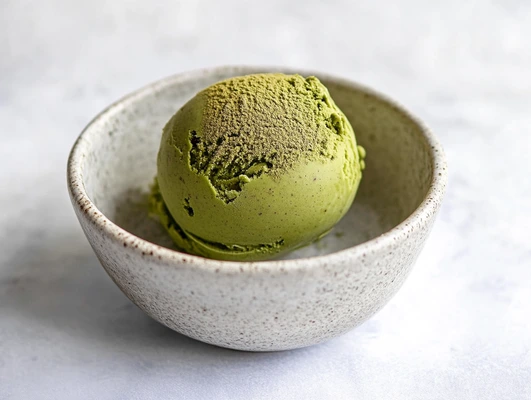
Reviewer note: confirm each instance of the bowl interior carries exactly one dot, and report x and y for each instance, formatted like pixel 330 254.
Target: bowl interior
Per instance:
pixel 119 161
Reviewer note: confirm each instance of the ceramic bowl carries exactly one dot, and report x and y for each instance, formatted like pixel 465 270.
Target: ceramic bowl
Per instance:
pixel 313 294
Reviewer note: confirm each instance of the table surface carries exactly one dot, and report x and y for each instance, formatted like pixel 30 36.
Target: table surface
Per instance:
pixel 458 329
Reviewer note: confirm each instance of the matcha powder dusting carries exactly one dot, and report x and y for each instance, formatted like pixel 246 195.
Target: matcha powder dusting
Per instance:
pixel 240 163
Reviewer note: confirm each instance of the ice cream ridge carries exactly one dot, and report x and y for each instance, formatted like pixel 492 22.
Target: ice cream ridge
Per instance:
pixel 255 166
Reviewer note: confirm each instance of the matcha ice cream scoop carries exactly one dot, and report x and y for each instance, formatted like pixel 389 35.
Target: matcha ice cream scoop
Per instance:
pixel 255 166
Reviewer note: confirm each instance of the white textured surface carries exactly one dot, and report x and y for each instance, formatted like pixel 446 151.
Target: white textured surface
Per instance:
pixel 460 326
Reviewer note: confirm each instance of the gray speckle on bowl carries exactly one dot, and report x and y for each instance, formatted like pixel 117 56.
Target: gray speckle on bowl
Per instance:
pixel 315 293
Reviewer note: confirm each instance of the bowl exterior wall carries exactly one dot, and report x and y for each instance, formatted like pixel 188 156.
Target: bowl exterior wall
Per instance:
pixel 257 308
pixel 275 305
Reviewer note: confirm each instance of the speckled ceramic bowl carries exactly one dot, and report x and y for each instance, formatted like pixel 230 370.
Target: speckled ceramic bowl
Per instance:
pixel 315 293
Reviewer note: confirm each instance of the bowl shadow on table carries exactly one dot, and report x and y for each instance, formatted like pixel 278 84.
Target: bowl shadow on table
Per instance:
pixel 61 291
pixel 60 287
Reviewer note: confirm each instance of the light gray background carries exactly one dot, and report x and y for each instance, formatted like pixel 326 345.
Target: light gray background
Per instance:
pixel 459 328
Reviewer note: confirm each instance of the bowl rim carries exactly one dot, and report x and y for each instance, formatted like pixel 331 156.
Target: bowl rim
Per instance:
pixel 80 199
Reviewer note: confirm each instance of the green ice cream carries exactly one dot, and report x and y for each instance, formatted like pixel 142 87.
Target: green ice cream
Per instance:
pixel 255 166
